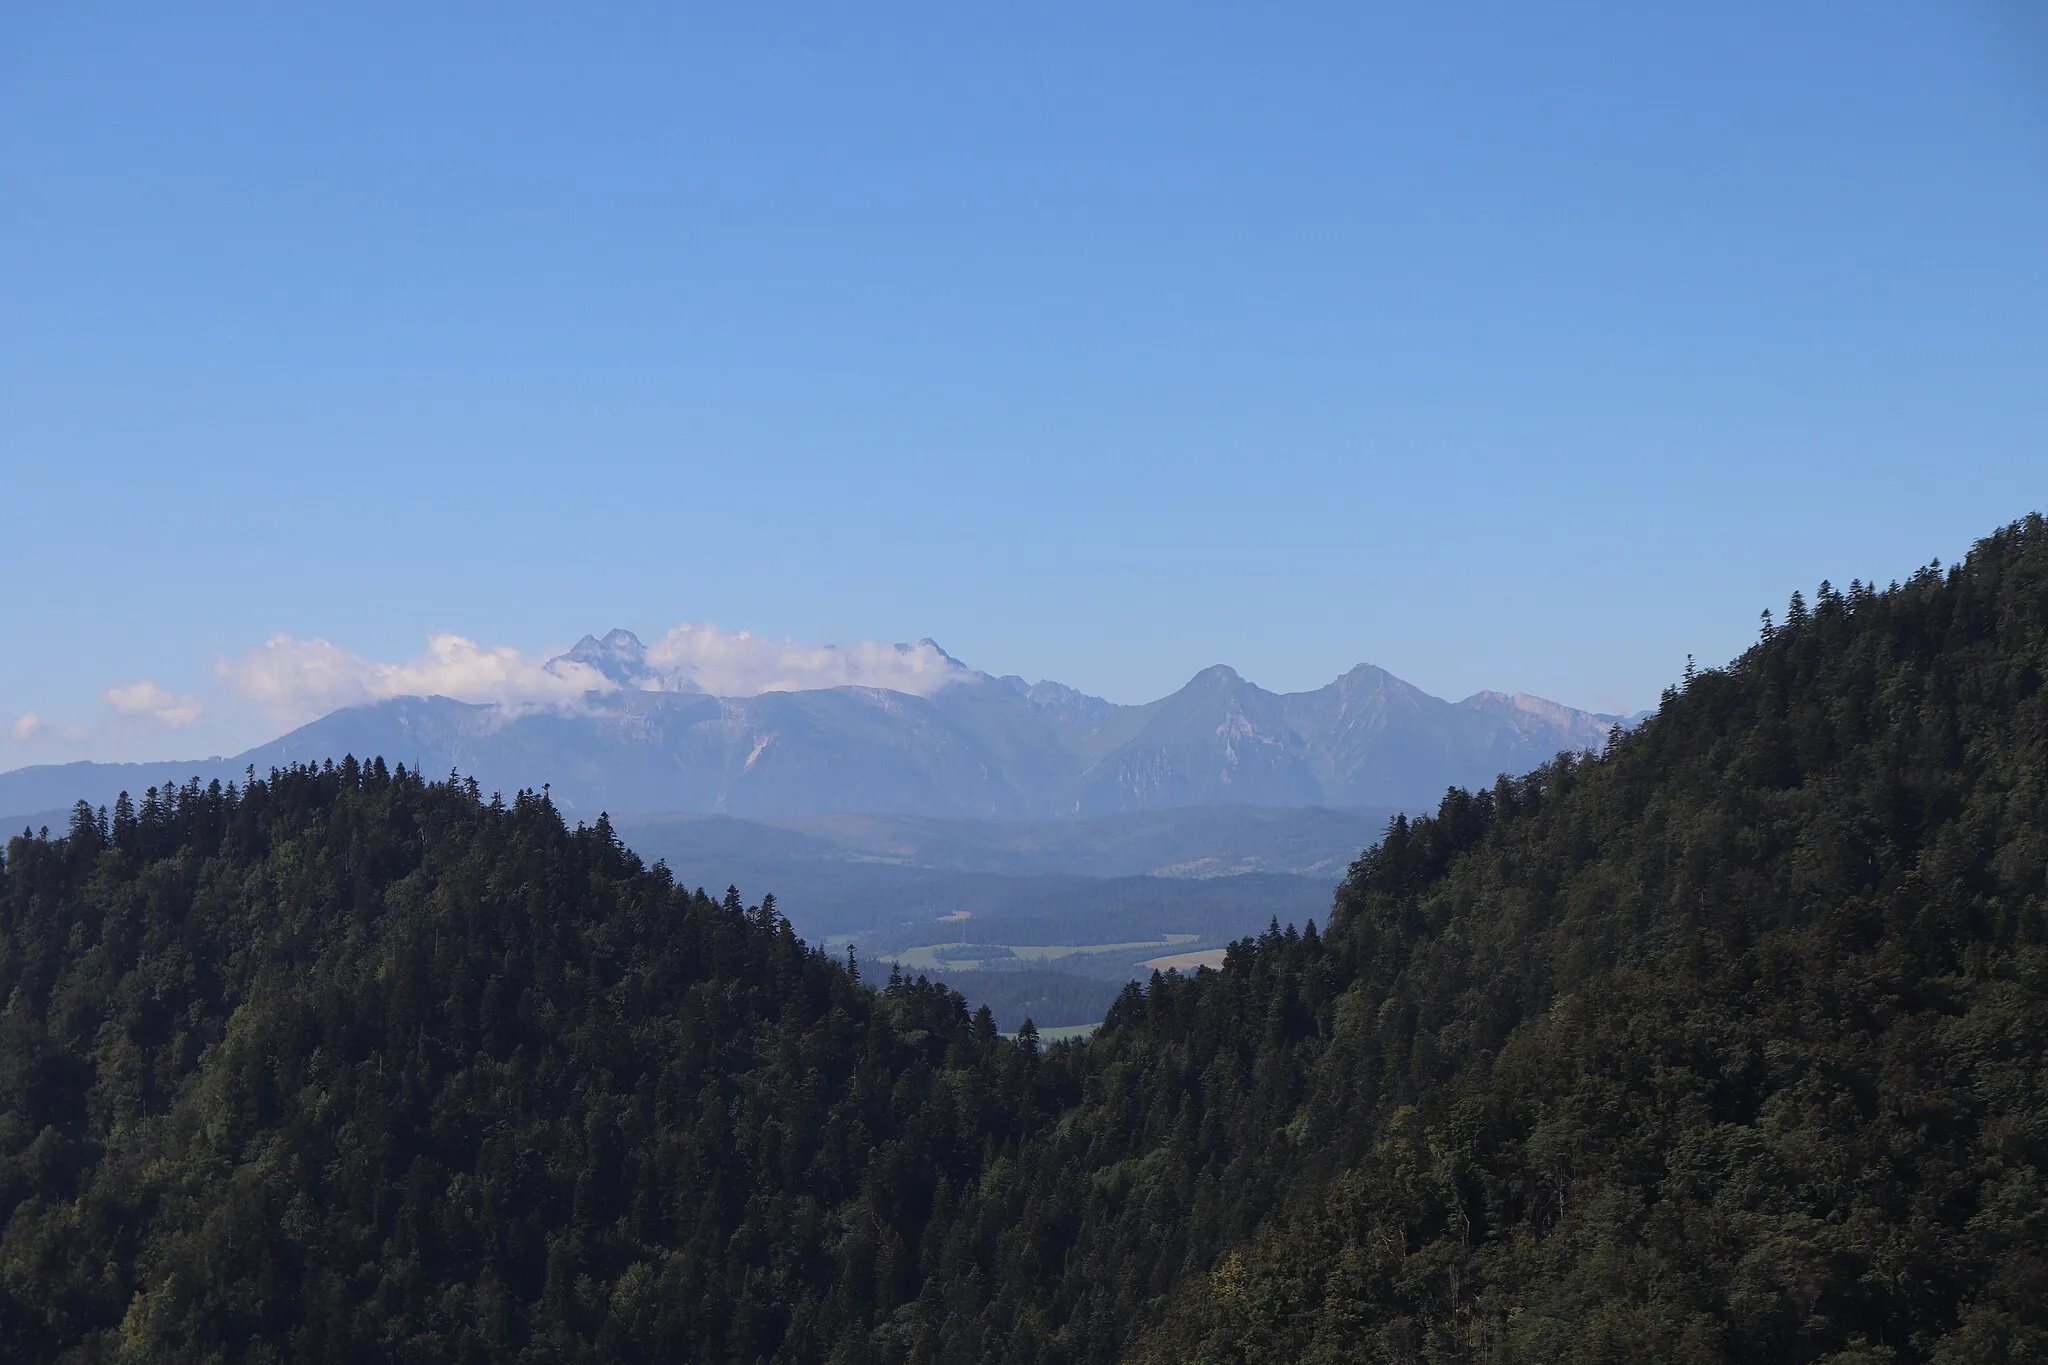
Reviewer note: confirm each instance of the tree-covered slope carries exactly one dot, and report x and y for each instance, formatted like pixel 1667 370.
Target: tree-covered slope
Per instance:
pixel 1724 1045
pixel 348 1066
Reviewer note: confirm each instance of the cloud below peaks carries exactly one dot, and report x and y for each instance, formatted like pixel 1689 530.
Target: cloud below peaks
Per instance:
pixel 294 680
pixel 703 658
pixel 298 680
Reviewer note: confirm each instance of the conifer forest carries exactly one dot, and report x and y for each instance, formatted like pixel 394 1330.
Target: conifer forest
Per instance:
pixel 1725 1044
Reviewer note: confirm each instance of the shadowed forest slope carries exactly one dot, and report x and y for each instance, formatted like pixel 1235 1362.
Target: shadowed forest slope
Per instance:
pixel 1723 1045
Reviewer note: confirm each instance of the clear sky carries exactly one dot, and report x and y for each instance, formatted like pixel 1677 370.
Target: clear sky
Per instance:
pixel 1519 346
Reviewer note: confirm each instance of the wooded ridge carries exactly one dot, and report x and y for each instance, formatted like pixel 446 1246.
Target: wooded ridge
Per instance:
pixel 1725 1044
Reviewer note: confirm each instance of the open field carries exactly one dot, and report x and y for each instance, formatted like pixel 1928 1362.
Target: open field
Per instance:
pixel 1187 962
pixel 941 957
pixel 1050 952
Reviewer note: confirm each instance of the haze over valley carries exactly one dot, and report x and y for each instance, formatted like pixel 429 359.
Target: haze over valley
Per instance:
pixel 1484 800
pixel 1034 812
pixel 950 806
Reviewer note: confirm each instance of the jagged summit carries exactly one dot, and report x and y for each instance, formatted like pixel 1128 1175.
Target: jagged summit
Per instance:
pixel 702 721
pixel 1362 672
pixel 619 656
pixel 702 659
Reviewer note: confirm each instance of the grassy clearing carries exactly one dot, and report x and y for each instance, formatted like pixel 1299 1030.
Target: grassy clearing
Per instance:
pixel 1187 962
pixel 960 957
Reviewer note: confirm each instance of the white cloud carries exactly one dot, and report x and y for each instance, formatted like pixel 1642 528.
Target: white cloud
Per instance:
pixel 28 726
pixel 295 680
pixel 145 698
pixel 742 664
pixel 298 680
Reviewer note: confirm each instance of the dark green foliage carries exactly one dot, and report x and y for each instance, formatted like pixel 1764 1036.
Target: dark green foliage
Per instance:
pixel 345 1065
pixel 1727 1045
pixel 1048 998
pixel 1724 1045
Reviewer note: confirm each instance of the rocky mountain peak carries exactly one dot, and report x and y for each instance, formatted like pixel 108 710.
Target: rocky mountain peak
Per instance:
pixel 619 656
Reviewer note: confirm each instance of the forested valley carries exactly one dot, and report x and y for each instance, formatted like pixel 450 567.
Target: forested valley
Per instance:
pixel 1725 1044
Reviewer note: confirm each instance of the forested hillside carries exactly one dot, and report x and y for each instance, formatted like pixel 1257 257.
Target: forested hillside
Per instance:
pixel 348 1065
pixel 1724 1045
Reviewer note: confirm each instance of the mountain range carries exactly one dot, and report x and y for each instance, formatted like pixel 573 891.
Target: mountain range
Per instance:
pixel 973 746
pixel 1724 1045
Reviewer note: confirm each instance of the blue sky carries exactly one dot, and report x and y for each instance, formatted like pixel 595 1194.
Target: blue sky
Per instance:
pixel 1527 347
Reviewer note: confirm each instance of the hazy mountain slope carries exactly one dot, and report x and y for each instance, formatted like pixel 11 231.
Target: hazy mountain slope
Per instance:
pixel 1186 841
pixel 976 747
pixel 1373 733
pixel 26 794
pixel 1367 739
pixel 1077 713
pixel 1219 740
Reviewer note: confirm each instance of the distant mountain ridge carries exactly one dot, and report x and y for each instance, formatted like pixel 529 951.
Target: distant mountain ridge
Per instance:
pixel 972 747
